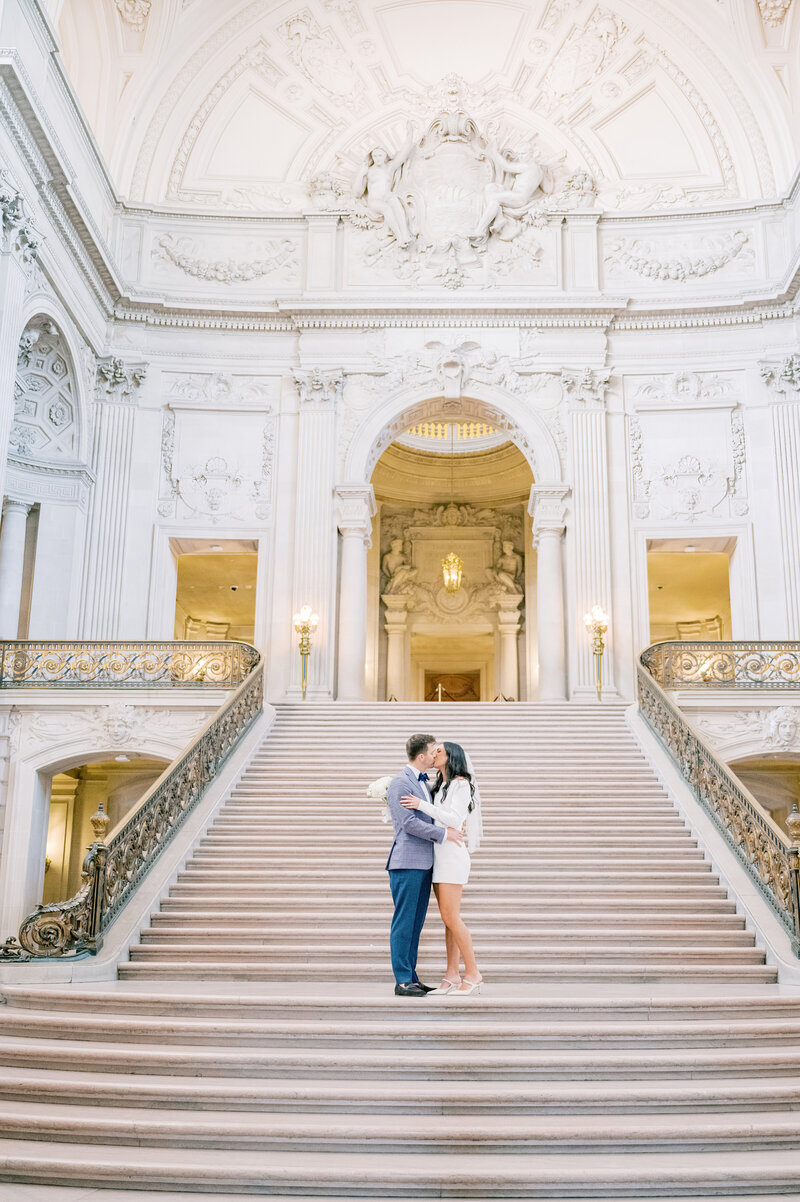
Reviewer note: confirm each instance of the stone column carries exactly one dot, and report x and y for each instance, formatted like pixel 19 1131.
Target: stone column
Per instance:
pixel 112 448
pixel 315 528
pixel 591 531
pixel 18 252
pixel 12 562
pixel 355 509
pixel 783 380
pixel 548 509
pixel 508 624
pixel 396 627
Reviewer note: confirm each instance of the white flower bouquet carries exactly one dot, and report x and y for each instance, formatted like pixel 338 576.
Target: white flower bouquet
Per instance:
pixel 378 791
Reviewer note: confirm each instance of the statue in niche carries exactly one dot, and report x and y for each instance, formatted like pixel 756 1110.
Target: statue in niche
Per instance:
pixel 375 184
pixel 507 569
pixel 401 577
pixel 504 205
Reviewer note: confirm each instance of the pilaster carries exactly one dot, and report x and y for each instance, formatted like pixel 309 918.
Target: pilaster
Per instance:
pixel 116 385
pixel 18 251
pixel 315 532
pixel 590 543
pixel 783 382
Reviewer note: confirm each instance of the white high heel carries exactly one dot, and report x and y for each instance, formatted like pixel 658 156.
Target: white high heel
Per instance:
pixel 467 987
pixel 451 985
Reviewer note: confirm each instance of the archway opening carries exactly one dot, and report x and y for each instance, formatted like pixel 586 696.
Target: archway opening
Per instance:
pixel 457 491
pixel 774 780
pixel 75 795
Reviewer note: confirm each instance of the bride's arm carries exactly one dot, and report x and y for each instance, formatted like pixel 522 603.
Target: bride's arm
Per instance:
pixel 454 813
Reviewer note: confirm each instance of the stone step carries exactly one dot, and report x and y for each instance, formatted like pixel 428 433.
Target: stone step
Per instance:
pixel 426 1175
pixel 303 1095
pixel 510 925
pixel 574 1064
pixel 381 1133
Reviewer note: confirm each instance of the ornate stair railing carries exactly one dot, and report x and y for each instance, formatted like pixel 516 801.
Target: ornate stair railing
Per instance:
pixel 113 869
pixel 771 857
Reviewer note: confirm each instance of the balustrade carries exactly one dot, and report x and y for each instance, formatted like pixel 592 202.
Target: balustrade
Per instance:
pixel 771 858
pixel 113 869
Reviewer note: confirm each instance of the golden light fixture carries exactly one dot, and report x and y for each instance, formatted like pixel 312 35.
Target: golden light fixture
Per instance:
pixel 452 566
pixel 305 623
pixel 596 622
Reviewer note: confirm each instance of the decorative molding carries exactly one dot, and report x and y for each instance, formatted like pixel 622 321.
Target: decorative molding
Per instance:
pixel 702 256
pixel 783 378
pixel 773 12
pixel 118 380
pixel 273 255
pixel 45 425
pixel 18 235
pixel 772 729
pixel 319 388
pixel 134 13
pixel 586 388
pixel 547 506
pixel 355 507
pixel 684 389
pixel 223 390
pixel 118 724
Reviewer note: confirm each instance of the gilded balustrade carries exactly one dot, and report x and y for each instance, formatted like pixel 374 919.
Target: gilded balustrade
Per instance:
pixel 113 868
pixel 771 857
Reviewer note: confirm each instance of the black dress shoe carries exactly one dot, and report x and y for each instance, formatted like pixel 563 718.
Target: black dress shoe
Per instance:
pixel 411 989
pixel 427 988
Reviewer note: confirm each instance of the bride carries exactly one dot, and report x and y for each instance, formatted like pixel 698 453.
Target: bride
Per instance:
pixel 456 802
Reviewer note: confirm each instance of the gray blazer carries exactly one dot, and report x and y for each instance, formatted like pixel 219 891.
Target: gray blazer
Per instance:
pixel 414 832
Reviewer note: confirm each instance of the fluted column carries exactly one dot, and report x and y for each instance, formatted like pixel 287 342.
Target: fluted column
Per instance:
pixel 783 380
pixel 18 251
pixel 112 449
pixel 355 509
pixel 12 564
pixel 591 541
pixel 315 528
pixel 508 626
pixel 547 507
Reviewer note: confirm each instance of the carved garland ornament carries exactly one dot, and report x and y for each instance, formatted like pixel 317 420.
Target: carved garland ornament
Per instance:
pixel 710 255
pixel 275 255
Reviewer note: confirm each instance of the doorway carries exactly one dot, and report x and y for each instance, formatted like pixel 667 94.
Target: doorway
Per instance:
pixel 216 585
pixel 689 590
pixel 453 686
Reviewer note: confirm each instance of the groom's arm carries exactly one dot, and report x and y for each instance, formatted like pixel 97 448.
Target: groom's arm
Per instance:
pixel 407 820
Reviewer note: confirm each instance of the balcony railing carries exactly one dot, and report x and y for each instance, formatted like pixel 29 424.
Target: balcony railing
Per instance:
pixel 113 868
pixel 771 857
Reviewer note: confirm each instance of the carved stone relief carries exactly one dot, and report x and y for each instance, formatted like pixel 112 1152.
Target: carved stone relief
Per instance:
pixel 221 389
pixel 774 11
pixel 321 58
pixel 270 256
pixel 17 231
pixel 784 377
pixel 118 724
pixel 134 12
pixel 774 729
pixel 698 257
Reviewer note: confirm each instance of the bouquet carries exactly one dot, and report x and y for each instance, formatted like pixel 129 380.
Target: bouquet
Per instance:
pixel 378 791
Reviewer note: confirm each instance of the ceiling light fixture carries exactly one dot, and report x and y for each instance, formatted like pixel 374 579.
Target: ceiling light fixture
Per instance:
pixel 452 566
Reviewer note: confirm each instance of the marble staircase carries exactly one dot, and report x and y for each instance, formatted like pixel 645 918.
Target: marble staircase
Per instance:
pixel 630 1041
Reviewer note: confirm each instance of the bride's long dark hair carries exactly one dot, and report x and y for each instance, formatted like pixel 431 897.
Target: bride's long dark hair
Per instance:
pixel 455 765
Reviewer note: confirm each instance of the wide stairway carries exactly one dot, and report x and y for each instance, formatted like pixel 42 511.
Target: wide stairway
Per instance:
pixel 630 1040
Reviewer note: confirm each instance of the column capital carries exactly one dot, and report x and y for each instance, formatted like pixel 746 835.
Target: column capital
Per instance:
pixel 16 506
pixel 355 508
pixel 585 388
pixel 318 388
pixel 118 379
pixel 547 505
pixel 782 378
pixel 17 233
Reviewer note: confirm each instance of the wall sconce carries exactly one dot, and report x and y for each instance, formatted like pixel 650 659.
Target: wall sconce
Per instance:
pixel 305 623
pixel 596 622
pixel 452 567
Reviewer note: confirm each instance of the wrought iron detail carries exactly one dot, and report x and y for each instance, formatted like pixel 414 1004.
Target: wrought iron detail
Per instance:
pixel 771 858
pixel 113 870
pixel 134 665
pixel 724 665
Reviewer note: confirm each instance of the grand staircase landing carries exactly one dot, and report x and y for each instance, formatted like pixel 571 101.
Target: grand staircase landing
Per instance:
pixel 631 1041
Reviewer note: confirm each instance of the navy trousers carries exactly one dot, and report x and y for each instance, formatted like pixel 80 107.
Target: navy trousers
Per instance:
pixel 411 891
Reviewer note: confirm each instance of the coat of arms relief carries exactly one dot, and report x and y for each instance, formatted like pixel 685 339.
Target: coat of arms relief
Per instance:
pixel 454 199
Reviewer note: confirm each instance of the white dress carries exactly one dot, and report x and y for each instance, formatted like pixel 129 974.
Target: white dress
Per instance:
pixel 451 860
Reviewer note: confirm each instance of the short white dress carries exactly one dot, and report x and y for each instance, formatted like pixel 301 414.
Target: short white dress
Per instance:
pixel 451 862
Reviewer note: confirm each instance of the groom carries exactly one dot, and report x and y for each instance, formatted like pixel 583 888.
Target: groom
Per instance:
pixel 410 863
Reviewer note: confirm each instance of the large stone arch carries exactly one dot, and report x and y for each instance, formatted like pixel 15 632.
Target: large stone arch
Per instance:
pixel 405 406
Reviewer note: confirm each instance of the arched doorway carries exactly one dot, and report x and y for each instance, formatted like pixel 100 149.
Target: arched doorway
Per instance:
pixel 451 573
pixel 365 670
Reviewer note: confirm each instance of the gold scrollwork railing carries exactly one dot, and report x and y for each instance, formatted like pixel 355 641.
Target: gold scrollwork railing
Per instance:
pixel 724 665
pixel 771 858
pixel 134 665
pixel 112 870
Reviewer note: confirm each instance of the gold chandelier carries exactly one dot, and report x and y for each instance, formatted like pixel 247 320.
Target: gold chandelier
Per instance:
pixel 452 566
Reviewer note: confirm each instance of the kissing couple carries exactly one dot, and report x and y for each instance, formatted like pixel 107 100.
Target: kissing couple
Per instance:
pixel 433 803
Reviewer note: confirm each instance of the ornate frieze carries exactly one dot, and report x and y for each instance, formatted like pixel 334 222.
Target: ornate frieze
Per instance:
pixel 272 256
pixel 222 389
pixel 769 729
pixel 700 256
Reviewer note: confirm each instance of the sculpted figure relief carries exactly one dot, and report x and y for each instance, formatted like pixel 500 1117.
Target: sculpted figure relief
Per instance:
pixel 376 182
pixel 399 572
pixel 507 569
pixel 504 204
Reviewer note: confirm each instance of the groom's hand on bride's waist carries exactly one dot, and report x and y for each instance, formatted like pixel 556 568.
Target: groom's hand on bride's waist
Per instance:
pixel 454 835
